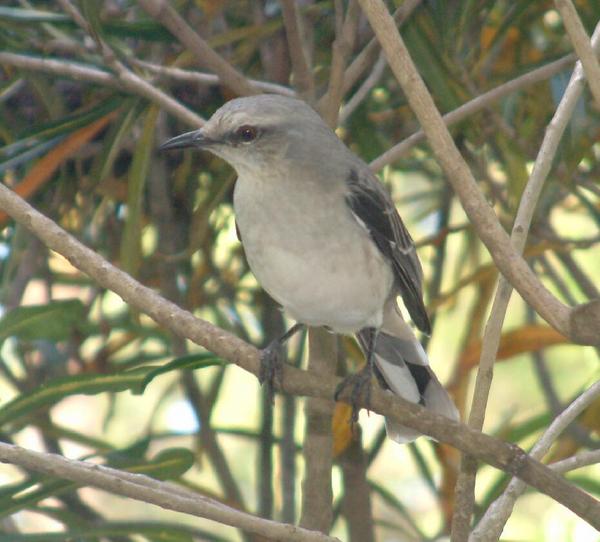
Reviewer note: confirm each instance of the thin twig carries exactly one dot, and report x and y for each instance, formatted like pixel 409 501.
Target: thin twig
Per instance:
pixel 579 323
pixel 493 451
pixel 581 44
pixel 146 489
pixel 365 59
pixel 363 91
pixel 199 78
pixel 303 77
pixel 475 105
pixel 490 526
pixel 129 82
pixel 202 51
pixel 465 486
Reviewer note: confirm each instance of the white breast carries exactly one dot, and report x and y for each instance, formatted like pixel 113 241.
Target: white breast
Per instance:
pixel 310 254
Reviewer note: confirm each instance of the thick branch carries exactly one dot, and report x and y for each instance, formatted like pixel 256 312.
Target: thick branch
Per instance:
pixel 205 55
pixel 481 214
pixel 497 453
pixel 146 489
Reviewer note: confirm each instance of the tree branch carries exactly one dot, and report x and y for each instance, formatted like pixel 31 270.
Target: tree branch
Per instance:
pixel 579 324
pixel 146 489
pixel 495 452
pixel 581 44
pixel 465 486
pixel 204 53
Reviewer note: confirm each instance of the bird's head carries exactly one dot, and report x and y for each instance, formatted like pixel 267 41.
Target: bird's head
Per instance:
pixel 256 131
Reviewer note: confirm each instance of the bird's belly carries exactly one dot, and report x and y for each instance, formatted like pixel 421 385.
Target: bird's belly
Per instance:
pixel 340 281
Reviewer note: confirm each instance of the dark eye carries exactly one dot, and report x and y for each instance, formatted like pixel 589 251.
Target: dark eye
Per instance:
pixel 246 133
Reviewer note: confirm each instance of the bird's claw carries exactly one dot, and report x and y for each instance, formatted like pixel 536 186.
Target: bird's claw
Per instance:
pixel 271 367
pixel 361 386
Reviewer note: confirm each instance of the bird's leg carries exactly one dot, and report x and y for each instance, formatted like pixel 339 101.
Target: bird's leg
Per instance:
pixel 361 381
pixel 271 360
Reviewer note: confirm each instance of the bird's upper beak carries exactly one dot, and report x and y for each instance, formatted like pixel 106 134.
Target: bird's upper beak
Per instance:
pixel 197 139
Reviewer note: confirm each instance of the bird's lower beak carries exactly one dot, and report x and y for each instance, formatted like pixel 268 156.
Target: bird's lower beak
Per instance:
pixel 197 139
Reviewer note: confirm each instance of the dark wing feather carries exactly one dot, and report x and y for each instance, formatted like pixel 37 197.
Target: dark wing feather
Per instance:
pixel 373 207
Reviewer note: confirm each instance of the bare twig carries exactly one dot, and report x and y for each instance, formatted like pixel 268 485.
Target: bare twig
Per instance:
pixel 203 52
pixel 146 489
pixel 490 526
pixel 200 78
pixel 579 324
pixel 363 91
pixel 466 482
pixel 345 34
pixel 126 81
pixel 303 77
pixel 495 452
pixel 582 459
pixel 318 441
pixel 581 44
pixel 365 59
pixel 475 105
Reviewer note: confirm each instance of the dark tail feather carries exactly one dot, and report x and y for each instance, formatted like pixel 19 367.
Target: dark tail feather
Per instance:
pixel 404 368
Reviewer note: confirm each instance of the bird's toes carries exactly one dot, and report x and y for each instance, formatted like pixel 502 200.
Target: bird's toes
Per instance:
pixel 360 384
pixel 271 367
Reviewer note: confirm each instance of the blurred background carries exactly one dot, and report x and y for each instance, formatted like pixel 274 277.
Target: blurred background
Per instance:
pixel 84 375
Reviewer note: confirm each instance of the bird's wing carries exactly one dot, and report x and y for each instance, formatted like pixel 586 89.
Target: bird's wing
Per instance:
pixel 372 206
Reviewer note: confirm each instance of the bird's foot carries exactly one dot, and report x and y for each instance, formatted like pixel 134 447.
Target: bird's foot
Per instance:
pixel 271 367
pixel 361 386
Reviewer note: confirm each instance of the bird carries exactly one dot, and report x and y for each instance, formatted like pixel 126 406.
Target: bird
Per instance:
pixel 324 239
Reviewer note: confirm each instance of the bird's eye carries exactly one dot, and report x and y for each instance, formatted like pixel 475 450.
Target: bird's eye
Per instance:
pixel 246 133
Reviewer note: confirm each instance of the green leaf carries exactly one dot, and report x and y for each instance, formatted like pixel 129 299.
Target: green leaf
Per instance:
pixel 167 465
pixel 55 321
pixel 131 251
pixel 158 531
pixel 189 362
pixel 32 16
pixel 56 390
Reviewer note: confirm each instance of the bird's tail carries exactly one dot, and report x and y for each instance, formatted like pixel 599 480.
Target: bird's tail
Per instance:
pixel 404 367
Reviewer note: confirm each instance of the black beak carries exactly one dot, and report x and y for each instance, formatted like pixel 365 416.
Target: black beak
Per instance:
pixel 197 139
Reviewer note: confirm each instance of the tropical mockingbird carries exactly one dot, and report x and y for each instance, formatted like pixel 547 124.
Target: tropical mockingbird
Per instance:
pixel 324 239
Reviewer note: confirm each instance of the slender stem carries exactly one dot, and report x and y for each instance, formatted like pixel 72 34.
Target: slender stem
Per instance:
pixel 490 526
pixel 581 44
pixel 465 486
